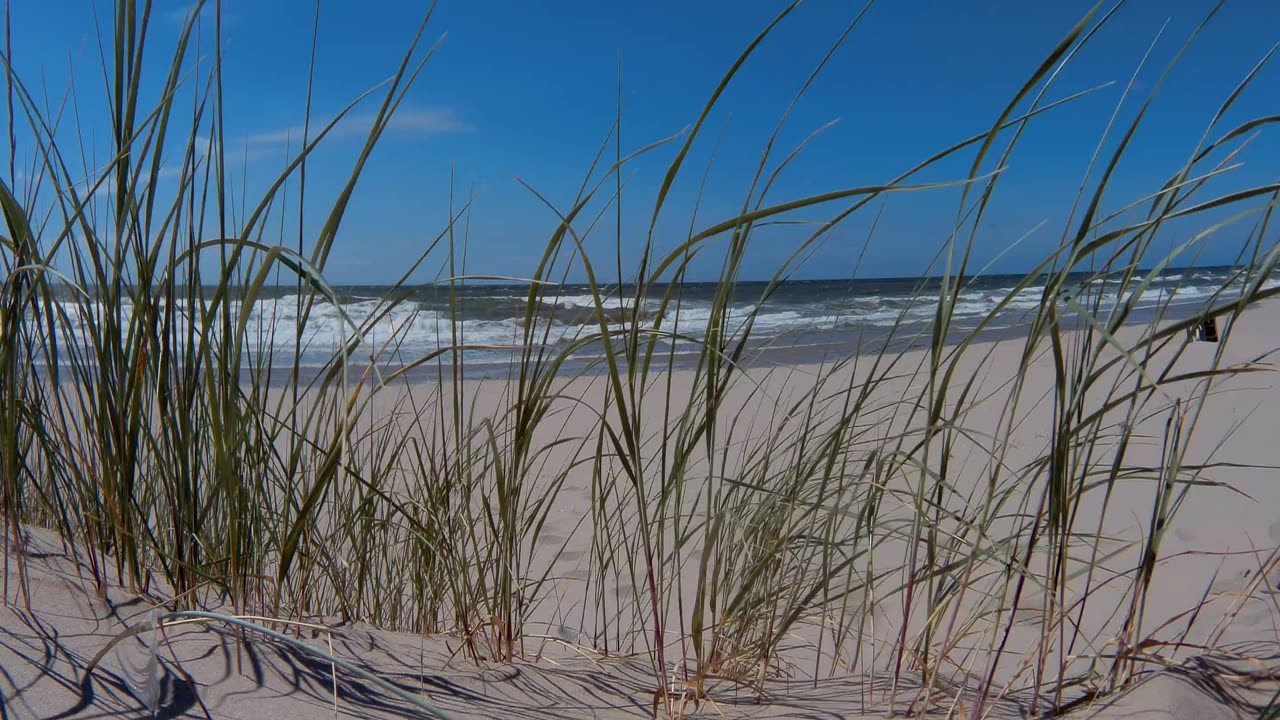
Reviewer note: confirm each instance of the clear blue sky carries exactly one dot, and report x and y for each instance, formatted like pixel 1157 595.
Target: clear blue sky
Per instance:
pixel 527 89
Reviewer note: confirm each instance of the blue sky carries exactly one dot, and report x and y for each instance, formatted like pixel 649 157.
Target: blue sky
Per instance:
pixel 528 90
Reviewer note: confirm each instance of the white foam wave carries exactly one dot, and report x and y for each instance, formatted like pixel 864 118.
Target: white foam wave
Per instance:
pixel 411 329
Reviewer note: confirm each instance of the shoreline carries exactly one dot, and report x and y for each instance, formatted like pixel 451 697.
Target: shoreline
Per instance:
pixel 790 349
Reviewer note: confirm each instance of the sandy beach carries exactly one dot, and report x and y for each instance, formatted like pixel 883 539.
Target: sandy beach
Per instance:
pixel 735 360
pixel 1210 631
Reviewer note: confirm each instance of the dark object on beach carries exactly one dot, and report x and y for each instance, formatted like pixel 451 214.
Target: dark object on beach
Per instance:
pixel 1206 331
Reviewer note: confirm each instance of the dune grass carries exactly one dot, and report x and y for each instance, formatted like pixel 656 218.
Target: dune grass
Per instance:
pixel 144 417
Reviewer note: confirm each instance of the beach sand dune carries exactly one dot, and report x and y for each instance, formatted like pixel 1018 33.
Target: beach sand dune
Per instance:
pixel 213 671
pixel 1213 609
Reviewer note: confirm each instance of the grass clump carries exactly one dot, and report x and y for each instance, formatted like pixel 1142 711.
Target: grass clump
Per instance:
pixel 876 512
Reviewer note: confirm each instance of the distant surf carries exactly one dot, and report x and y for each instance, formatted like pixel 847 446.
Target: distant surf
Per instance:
pixel 396 326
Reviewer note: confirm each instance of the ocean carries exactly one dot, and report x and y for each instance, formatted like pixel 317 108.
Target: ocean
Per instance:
pixel 796 321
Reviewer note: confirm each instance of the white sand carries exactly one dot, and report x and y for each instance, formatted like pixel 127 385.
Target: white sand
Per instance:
pixel 1217 550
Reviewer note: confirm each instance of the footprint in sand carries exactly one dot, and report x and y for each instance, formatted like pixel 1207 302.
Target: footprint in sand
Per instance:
pixel 550 539
pixel 1030 609
pixel 1232 581
pixel 1191 535
pixel 1246 579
